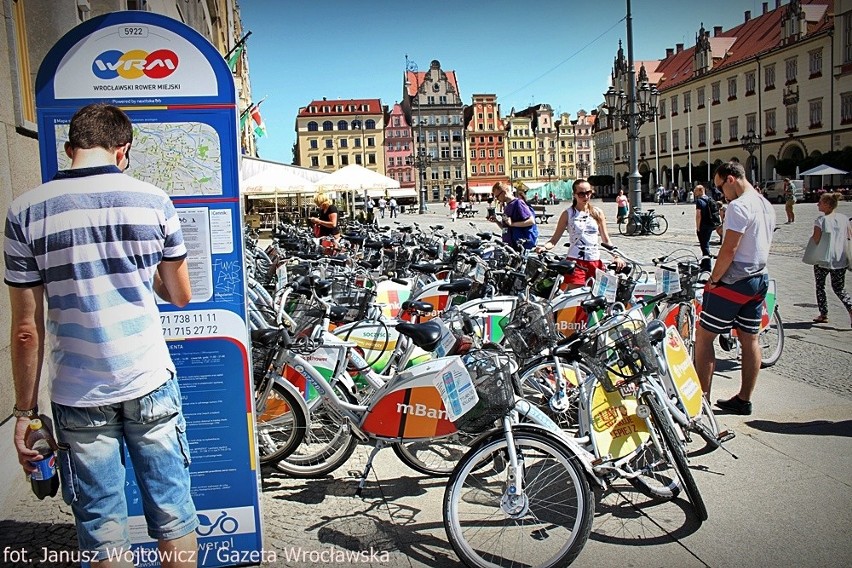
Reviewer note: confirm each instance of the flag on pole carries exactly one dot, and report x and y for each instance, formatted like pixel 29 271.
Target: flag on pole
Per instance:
pixel 234 59
pixel 259 125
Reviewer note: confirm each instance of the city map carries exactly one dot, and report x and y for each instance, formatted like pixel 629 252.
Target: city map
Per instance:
pixel 181 158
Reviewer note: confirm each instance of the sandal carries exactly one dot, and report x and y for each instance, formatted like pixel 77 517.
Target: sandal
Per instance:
pixel 822 318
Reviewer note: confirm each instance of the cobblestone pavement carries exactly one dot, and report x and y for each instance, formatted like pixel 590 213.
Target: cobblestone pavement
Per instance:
pixel 400 510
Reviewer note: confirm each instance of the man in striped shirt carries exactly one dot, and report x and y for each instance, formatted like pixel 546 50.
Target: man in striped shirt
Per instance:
pixel 85 255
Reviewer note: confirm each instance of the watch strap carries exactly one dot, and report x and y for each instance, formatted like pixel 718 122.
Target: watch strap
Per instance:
pixel 30 413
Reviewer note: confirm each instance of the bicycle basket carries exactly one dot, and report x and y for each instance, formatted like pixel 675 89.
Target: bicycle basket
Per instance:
pixel 261 358
pixel 619 349
pixel 356 301
pixel 307 313
pixel 491 374
pixel 528 330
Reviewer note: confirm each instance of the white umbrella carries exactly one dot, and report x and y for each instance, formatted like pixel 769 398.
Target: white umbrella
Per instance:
pixel 822 171
pixel 272 182
pixel 357 179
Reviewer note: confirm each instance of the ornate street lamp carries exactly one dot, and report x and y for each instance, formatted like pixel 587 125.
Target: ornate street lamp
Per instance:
pixel 421 160
pixel 751 142
pixel 549 170
pixel 633 109
pixel 582 166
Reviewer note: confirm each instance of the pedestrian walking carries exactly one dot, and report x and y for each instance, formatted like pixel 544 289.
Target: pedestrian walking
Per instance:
pixel 828 245
pixel 453 206
pixel 789 200
pixel 382 205
pixel 586 226
pixel 623 206
pixel 392 204
pixel 734 293
pixel 370 214
pixel 517 222
pixel 113 384
pixel 706 222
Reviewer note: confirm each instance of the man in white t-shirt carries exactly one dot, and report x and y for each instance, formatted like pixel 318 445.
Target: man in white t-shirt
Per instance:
pixel 734 294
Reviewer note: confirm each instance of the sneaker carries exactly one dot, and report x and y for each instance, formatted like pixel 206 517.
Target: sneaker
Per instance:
pixel 735 405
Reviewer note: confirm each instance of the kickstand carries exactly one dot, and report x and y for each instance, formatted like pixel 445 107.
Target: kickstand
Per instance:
pixel 363 481
pixel 726 436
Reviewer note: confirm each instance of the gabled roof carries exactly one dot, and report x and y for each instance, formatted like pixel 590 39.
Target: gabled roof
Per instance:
pixel 416 78
pixel 758 35
pixel 374 106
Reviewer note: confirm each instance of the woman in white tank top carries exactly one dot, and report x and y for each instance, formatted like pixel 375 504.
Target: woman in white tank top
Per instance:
pixel 586 226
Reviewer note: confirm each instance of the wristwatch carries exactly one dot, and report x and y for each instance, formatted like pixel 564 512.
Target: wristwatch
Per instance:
pixel 31 413
pixel 713 282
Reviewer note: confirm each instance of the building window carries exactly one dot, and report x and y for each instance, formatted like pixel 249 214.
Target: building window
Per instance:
pixel 314 161
pixel 847 38
pixel 769 121
pixel 815 63
pixel 769 77
pixel 358 159
pixel 674 105
pixel 457 152
pixel 313 126
pixel 701 97
pixel 653 144
pixel 790 70
pixel 344 160
pixel 662 115
pixel 792 118
pixel 675 142
pixel 329 160
pixel 357 142
pixel 327 125
pixel 845 108
pixel 329 143
pixel 442 99
pixel 750 83
pixel 815 108
pixel 313 144
pixel 751 122
pixel 717 132
pixel 430 100
pixel 687 102
pixel 342 125
pixel 715 90
pixel 733 129
pixel 371 142
pixel 473 153
pixel 343 143
pixel 687 137
pixel 371 159
pixel 490 153
pixel 702 135
pixel 370 124
pixel 445 153
pixel 482 153
pixel 732 89
pixel 664 142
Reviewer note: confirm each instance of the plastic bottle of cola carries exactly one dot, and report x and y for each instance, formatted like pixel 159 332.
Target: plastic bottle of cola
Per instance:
pixel 44 481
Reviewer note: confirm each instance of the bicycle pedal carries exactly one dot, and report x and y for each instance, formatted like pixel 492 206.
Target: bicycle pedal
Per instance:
pixel 726 436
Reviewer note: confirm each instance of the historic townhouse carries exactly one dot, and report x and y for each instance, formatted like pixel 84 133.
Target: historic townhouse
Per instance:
pixel 783 77
pixel 521 162
pixel 545 133
pixel 398 148
pixel 432 105
pixel 484 133
pixel 333 134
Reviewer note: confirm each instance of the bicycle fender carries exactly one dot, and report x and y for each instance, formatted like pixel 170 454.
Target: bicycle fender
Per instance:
pixel 287 385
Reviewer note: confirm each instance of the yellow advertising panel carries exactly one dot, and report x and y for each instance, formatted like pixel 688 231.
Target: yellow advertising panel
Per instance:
pixel 615 427
pixel 683 373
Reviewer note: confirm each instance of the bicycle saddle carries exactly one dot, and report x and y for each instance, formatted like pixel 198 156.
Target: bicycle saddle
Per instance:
pixel 424 268
pixel 338 313
pixel 656 331
pixel 593 304
pixel 457 286
pixel 426 336
pixel 562 267
pixel 355 239
pixel 417 306
pixel 267 338
pixel 373 245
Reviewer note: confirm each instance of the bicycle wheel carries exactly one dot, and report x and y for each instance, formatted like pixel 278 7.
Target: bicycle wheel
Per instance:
pixel 326 445
pixel 280 426
pixel 672 446
pixel 538 383
pixel 435 458
pixel 546 526
pixel 771 341
pixel 629 227
pixel 685 326
pixel 658 225
pixel 656 476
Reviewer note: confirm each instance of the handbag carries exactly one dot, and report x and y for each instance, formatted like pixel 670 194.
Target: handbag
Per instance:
pixel 817 253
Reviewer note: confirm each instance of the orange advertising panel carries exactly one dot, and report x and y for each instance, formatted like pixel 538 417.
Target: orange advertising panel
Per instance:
pixel 416 412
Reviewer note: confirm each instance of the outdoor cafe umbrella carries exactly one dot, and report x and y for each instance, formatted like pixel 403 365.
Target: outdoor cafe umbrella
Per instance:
pixel 356 180
pixel 822 171
pixel 275 182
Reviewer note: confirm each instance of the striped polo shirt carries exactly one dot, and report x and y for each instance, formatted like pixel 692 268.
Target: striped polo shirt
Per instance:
pixel 93 238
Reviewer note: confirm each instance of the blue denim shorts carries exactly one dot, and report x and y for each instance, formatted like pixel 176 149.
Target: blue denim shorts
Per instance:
pixel 92 470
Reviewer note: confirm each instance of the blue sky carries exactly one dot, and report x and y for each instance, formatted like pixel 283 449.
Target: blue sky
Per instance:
pixel 548 51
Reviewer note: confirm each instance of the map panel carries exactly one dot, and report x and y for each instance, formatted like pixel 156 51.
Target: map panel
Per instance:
pixel 182 158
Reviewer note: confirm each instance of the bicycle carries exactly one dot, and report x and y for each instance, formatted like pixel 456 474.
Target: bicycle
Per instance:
pixel 644 223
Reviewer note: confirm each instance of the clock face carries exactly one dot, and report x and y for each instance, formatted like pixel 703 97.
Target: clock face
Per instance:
pixel 436 87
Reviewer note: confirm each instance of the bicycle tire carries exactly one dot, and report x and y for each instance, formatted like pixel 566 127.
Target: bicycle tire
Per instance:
pixel 685 326
pixel 484 533
pixel 658 225
pixel 281 426
pixel 657 477
pixel 770 354
pixel 675 450
pixel 435 458
pixel 327 444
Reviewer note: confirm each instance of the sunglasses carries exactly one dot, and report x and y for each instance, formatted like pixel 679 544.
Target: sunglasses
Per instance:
pixel 583 193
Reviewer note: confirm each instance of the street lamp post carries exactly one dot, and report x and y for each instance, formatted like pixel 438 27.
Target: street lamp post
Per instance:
pixel 750 142
pixel 421 160
pixel 582 165
pixel 635 108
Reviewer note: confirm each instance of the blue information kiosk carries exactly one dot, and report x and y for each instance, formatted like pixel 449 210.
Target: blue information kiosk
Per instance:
pixel 179 93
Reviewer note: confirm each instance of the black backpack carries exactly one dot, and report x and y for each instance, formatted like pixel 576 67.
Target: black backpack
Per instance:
pixel 715 216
